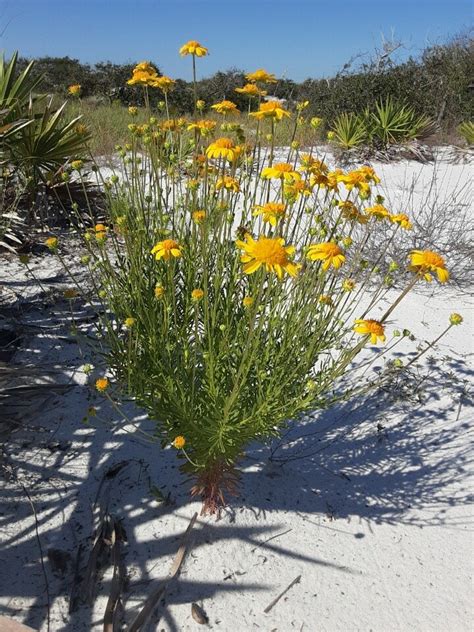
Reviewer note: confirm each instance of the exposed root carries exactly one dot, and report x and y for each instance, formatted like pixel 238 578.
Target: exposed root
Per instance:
pixel 213 484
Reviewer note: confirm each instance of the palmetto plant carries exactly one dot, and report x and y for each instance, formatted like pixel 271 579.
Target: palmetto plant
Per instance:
pixel 466 129
pixel 393 122
pixel 349 130
pixel 44 146
pixel 16 89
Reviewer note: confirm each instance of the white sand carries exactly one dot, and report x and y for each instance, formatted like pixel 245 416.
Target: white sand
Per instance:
pixel 378 522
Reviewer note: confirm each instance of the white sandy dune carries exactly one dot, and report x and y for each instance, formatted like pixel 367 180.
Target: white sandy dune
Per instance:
pixel 369 504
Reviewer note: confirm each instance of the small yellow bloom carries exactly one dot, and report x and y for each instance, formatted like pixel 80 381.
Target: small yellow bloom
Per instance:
pixel 350 212
pixel 197 294
pixel 272 212
pixel 251 90
pixel 331 135
pixel 199 217
pixel 77 164
pixel 261 76
pixel 223 148
pixel 316 122
pixel 133 110
pixel 163 83
pixel 225 107
pixel 378 211
pixel 357 179
pixel 166 249
pixel 52 243
pixel 159 291
pixel 204 126
pixel 193 48
pixel 270 109
pixel 248 301
pixel 281 170
pixel 70 293
pixel 179 442
pixel 229 183
pixel 348 285
pixel 74 90
pixel 329 252
pixel 425 261
pixel 200 105
pixel 102 384
pixel 455 319
pixel 129 322
pixel 267 251
pixel 372 328
pixel 402 220
pixel 326 300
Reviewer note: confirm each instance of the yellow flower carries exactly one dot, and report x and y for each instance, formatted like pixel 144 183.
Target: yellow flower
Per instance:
pixel 74 90
pixel 225 107
pixel 292 190
pixel 261 75
pixel 70 293
pixel 312 165
pixel 358 179
pixel 200 105
pixel 204 126
pixel 329 252
pixel 455 319
pixel 142 77
pixel 282 170
pixel 372 328
pixel 223 148
pixel 179 442
pixel 159 291
pixel 133 110
pixel 229 183
pixel 326 300
pixel 350 212
pixel 166 249
pixel 251 90
pixel 378 211
pixel 426 261
pixel 270 109
pixel 102 384
pixel 331 135
pixel 174 125
pixel 270 252
pixel 193 48
pixel 316 122
pixel 272 212
pixel 197 294
pixel 129 322
pixel 369 174
pixel 348 285
pixel 77 164
pixel 402 220
pixel 199 217
pixel 164 83
pixel 52 243
pixel 248 301
pixel 145 66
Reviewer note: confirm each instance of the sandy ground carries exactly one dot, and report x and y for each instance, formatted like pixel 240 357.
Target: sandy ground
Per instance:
pixel 368 504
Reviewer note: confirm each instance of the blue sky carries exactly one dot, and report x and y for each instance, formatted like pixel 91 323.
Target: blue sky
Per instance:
pixel 292 38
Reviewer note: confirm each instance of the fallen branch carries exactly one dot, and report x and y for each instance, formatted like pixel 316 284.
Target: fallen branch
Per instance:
pixel 150 604
pixel 277 599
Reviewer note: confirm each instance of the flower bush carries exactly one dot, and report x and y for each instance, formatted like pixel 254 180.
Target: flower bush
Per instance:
pixel 234 285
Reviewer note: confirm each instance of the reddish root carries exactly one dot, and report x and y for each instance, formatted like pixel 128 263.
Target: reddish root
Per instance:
pixel 213 485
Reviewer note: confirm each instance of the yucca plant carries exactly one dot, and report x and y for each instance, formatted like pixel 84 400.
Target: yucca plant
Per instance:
pixel 349 130
pixel 392 122
pixel 233 290
pixel 466 130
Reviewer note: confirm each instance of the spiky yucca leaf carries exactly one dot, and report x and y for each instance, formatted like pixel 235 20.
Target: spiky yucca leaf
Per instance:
pixel 16 89
pixel 349 130
pixel 466 129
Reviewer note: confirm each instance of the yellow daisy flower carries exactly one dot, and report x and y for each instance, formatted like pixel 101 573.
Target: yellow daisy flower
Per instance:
pixel 193 48
pixel 179 442
pixel 261 75
pixel 270 109
pixel 166 249
pixel 164 83
pixel 272 212
pixel 204 126
pixel 229 183
pixel 225 107
pixel 372 328
pixel 402 220
pixel 75 89
pixel 425 261
pixel 281 170
pixel 223 148
pixel 251 90
pixel 329 252
pixel 102 384
pixel 268 252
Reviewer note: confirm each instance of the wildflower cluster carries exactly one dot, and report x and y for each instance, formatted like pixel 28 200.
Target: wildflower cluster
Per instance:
pixel 240 276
